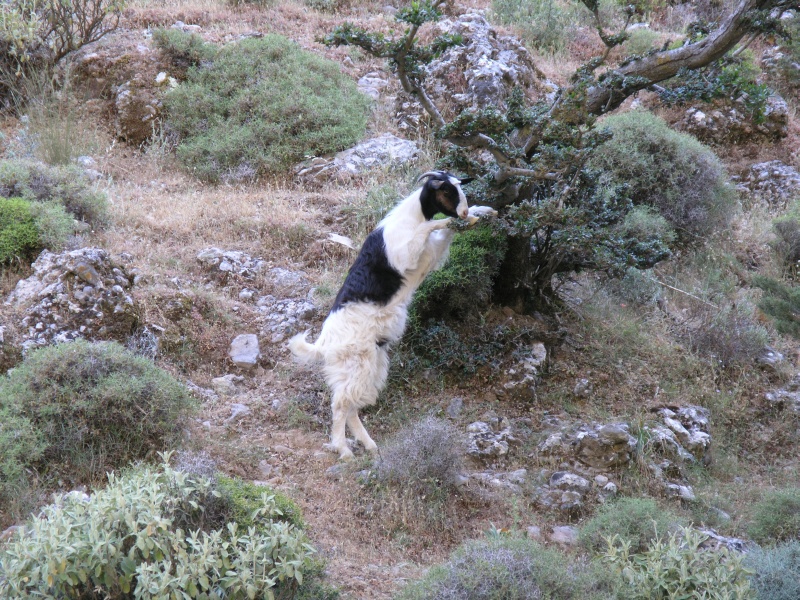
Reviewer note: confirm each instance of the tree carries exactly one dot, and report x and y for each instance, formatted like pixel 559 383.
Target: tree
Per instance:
pixel 557 216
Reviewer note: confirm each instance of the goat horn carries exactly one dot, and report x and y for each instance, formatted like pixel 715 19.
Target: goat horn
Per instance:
pixel 428 174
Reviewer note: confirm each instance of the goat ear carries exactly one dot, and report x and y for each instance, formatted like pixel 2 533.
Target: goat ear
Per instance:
pixel 466 180
pixel 435 183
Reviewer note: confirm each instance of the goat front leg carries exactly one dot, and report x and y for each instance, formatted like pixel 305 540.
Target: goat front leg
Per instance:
pixel 405 255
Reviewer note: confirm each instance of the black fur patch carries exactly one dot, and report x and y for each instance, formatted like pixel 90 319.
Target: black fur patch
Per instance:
pixel 371 278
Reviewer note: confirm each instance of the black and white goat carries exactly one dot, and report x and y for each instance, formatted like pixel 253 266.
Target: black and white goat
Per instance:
pixel 370 310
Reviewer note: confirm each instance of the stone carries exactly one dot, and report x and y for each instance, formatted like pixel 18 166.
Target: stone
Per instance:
pixel 223 263
pixel 582 389
pixel 244 350
pixel 564 480
pixel 770 357
pixel 138 110
pixel 730 122
pixel 372 84
pixel 564 535
pixel 772 182
pixel 787 397
pixel 682 492
pixel 453 409
pixel 534 532
pixel 606 446
pixel 522 378
pixel 284 318
pixel 80 293
pixel 384 151
pixel 238 411
pixel 486 442
pixel 226 385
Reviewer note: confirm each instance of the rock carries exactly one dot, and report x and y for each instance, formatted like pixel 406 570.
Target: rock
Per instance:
pixel 138 110
pixel 238 411
pixel 208 395
pixel 682 492
pixel 773 182
pixel 534 532
pixel 453 409
pixel 606 446
pixel 226 385
pixel 690 427
pixel 714 541
pixel 726 122
pixel 486 442
pixel 224 263
pixel 289 282
pixel 384 151
pixel 284 318
pixel 564 535
pixel 77 294
pixel 787 397
pixel 582 389
pixel 522 378
pixel 372 84
pixel 244 350
pixel 564 480
pixel 770 357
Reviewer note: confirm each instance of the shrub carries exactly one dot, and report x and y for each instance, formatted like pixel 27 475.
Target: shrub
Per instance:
pixel 547 25
pixel 19 236
pixel 729 337
pixel 425 453
pixel 234 125
pixel 679 568
pixel 463 286
pixel 65 186
pixel 669 171
pixel 775 571
pixel 776 517
pixel 641 41
pixel 787 246
pixel 20 445
pixel 636 521
pixel 782 303
pixel 96 405
pixel 183 49
pixel 244 498
pixel 364 214
pixel 123 542
pixel 635 287
pixel 507 568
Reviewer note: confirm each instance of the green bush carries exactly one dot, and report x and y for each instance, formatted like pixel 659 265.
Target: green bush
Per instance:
pixel 244 498
pixel 679 568
pixel 729 336
pixel 669 171
pixel 637 521
pixel 20 445
pixel 547 25
pixel 775 571
pixel 781 302
pixel 262 105
pixel 776 517
pixel 65 186
pixel 463 286
pixel 641 41
pixel 19 236
pixel 508 568
pixel 96 406
pixel 787 246
pixel 123 542
pixel 183 49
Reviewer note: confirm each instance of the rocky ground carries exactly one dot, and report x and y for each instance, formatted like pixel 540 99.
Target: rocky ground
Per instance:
pixel 213 280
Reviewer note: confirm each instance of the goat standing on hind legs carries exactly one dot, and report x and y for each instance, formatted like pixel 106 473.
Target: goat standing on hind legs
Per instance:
pixel 370 310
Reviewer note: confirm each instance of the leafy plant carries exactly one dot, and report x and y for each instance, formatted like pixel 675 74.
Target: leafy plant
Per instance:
pixel 183 49
pixel 235 125
pixel 19 236
pixel 65 186
pixel 636 521
pixel 547 25
pixel 729 336
pixel 679 567
pixel 775 572
pixel 509 568
pixel 782 303
pixel 669 171
pixel 94 406
pixel 123 541
pixel 776 517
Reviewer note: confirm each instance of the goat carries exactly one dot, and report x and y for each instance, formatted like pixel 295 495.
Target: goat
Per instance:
pixel 370 310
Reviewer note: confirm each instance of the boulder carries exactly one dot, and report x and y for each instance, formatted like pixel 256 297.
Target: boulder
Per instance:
pixel 606 446
pixel 81 293
pixel 787 397
pixel 489 442
pixel 773 182
pixel 724 122
pixel 244 350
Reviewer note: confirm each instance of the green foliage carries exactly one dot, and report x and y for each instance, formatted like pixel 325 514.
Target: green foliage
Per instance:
pixel 508 568
pixel 636 521
pixel 730 78
pixel 97 406
pixel 36 34
pixel 125 541
pixel 679 568
pixel 787 246
pixel 53 223
pixel 19 236
pixel 244 498
pixel 547 25
pixel 183 49
pixel 782 303
pixel 776 517
pixel 463 286
pixel 66 186
pixel 261 106
pixel 20 445
pixel 669 171
pixel 775 571
pixel 364 214
pixel 641 41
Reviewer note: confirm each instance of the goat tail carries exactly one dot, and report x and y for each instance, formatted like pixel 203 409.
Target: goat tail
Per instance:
pixel 304 352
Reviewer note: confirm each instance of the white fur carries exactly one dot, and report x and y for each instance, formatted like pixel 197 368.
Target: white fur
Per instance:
pixel 355 366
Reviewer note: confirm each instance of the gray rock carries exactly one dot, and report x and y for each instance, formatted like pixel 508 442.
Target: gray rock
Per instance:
pixel 534 532
pixel 372 84
pixel 582 389
pixel 223 263
pixel 244 350
pixel 238 411
pixel 283 318
pixel 731 123
pixel 226 385
pixel 606 446
pixel 522 378
pixel 486 442
pixel 453 409
pixel 787 397
pixel 773 182
pixel 564 535
pixel 682 492
pixel 564 480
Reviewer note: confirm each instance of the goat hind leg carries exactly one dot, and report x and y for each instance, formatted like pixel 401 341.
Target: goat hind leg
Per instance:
pixel 338 442
pixel 360 433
